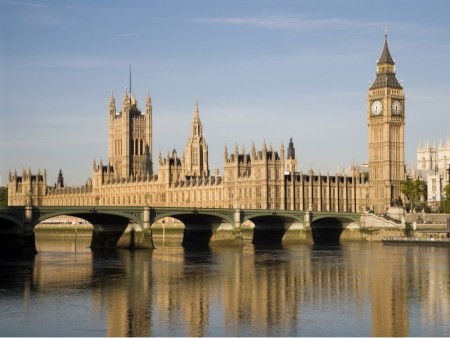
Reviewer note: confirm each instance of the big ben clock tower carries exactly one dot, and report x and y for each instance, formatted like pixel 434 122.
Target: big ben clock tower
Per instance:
pixel 386 124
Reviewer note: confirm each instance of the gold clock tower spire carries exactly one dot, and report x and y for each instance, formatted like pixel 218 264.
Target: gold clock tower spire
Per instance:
pixel 386 125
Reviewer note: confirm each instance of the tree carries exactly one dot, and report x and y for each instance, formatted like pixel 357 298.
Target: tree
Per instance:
pixel 446 204
pixel 413 189
pixel 3 196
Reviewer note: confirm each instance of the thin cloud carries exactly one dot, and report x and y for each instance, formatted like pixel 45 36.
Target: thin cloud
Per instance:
pixel 289 22
pixel 22 4
pixel 33 4
pixel 129 34
pixel 305 24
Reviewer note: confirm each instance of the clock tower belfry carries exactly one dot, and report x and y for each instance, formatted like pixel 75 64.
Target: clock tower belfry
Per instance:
pixel 386 125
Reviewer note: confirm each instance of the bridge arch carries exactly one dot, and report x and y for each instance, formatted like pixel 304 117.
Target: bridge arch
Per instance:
pixel 111 228
pixel 200 227
pixel 271 227
pixel 10 224
pixel 224 217
pixel 15 235
pixel 327 229
pixel 92 216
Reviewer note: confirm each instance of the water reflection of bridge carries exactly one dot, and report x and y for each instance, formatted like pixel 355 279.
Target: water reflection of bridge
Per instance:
pixel 255 291
pixel 130 227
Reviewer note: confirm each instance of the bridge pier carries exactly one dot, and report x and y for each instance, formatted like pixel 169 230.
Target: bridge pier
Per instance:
pixel 225 234
pixel 18 243
pixel 28 243
pixel 237 219
pixel 120 236
pixel 270 230
pixel 147 222
pixel 307 219
pixel 108 237
pixel 18 239
pixel 201 231
pixel 195 236
pixel 130 227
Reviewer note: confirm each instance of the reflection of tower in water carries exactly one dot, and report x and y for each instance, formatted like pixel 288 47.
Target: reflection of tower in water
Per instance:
pixel 389 295
pixel 125 293
pixel 182 287
pixel 435 291
pixel 266 292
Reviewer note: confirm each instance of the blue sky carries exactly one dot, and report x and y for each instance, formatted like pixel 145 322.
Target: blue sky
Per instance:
pixel 262 70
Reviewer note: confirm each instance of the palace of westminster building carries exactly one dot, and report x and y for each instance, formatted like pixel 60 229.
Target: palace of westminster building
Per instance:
pixel 255 179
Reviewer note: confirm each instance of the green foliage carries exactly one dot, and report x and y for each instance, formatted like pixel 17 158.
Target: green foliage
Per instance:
pixel 446 202
pixel 413 190
pixel 447 192
pixel 419 207
pixel 3 196
pixel 446 206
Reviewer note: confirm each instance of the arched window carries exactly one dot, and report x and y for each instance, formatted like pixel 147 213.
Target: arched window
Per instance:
pixel 195 156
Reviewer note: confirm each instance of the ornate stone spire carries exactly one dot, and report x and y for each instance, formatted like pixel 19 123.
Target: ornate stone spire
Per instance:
pixel 225 153
pixel 253 151
pixel 385 54
pixel 196 123
pixel 196 113
pixel 148 104
pixel 112 104
pixel 126 100
pixel 386 70
pixel 196 151
pixel 291 150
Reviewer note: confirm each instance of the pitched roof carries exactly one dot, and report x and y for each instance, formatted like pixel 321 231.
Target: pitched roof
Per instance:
pixel 386 55
pixel 384 77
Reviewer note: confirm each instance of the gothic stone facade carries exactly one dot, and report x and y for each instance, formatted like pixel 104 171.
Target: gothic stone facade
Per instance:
pixel 258 179
pixel 433 166
pixel 255 181
pixel 386 126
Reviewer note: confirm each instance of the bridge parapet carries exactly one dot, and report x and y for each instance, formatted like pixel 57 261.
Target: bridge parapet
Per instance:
pixel 157 213
pixel 249 214
pixel 342 216
pixel 208 224
pixel 134 214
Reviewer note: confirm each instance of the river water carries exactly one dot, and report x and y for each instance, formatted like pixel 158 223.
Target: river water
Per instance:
pixel 355 289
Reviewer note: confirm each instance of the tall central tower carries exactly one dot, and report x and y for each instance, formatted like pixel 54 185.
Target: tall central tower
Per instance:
pixel 130 137
pixel 386 124
pixel 196 152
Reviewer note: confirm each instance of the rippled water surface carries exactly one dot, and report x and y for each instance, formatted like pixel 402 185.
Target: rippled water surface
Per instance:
pixel 355 289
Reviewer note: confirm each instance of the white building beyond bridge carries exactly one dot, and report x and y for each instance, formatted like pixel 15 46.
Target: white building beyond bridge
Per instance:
pixel 432 166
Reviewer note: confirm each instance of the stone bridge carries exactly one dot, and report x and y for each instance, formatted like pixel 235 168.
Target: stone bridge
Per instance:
pixel 130 227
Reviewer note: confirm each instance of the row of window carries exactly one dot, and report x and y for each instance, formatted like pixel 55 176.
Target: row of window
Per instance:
pixel 137 147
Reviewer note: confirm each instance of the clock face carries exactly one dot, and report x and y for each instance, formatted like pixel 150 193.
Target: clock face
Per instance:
pixel 396 107
pixel 377 108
